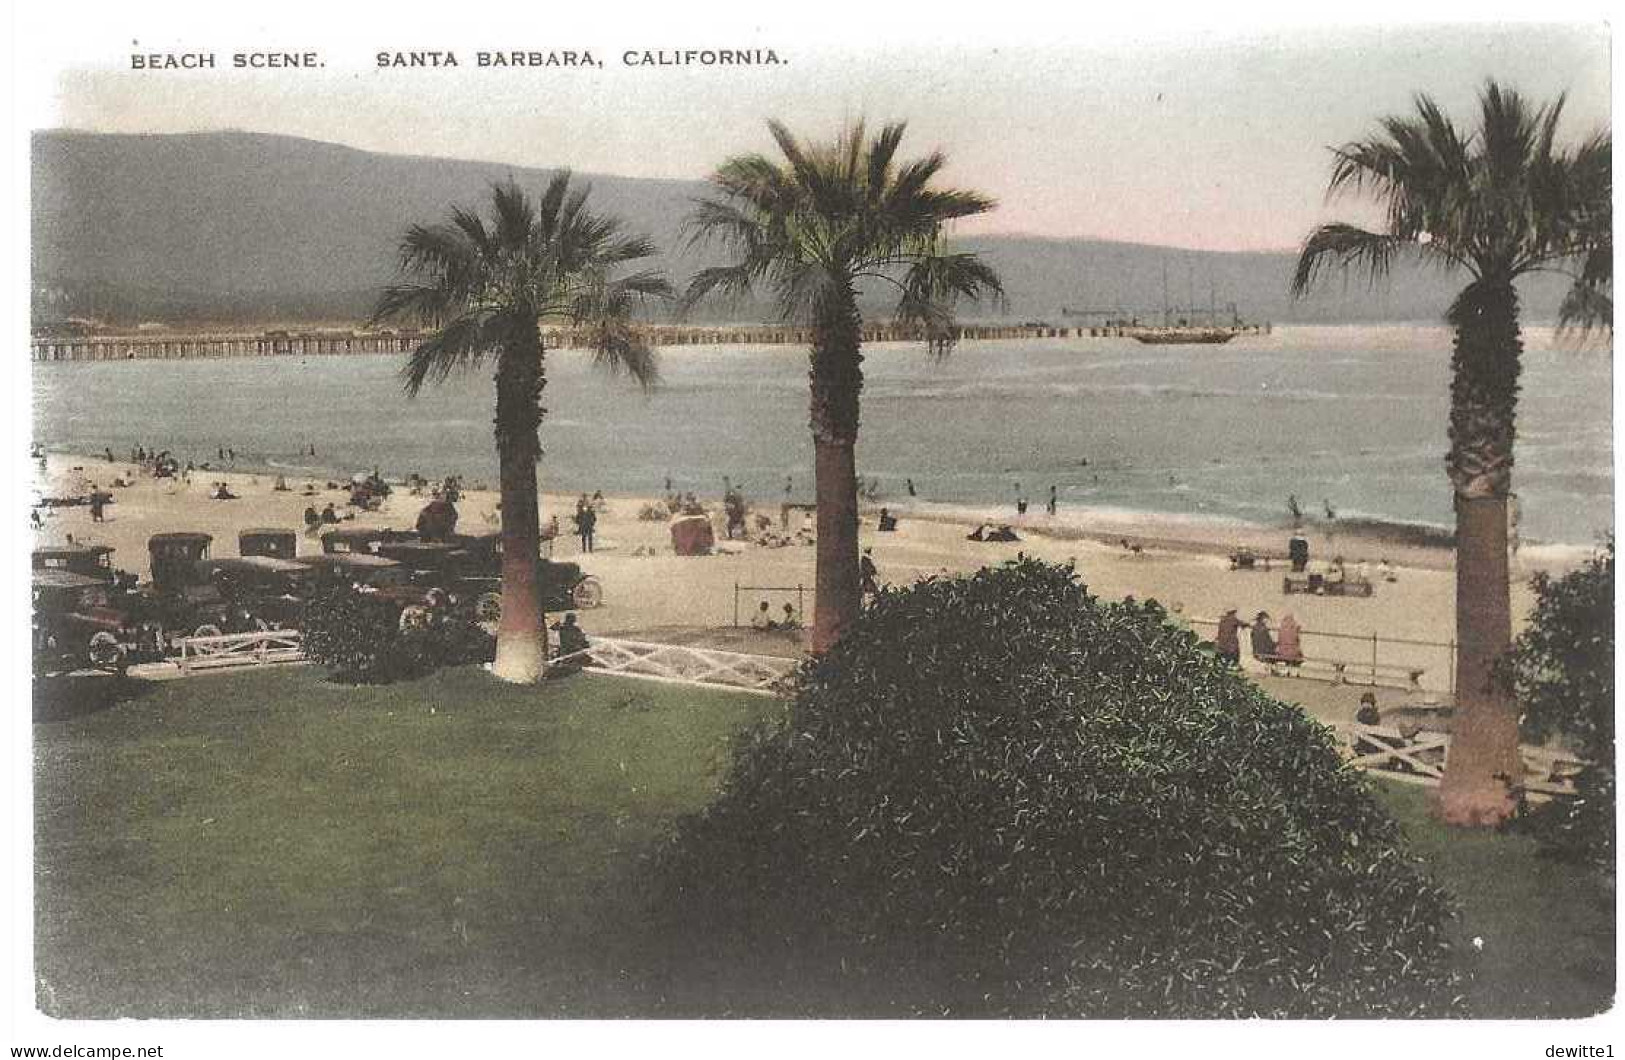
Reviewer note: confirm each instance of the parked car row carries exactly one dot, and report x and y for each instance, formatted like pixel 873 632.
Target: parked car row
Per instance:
pixel 86 613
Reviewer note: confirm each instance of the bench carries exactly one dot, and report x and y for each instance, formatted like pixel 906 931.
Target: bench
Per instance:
pixel 1349 672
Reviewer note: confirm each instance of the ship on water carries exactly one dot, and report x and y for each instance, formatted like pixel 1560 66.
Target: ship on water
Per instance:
pixel 1183 334
pixel 1174 330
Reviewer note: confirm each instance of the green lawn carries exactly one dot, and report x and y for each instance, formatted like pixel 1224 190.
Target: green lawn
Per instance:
pixel 1547 928
pixel 270 844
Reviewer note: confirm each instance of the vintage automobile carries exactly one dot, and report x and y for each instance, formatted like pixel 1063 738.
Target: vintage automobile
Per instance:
pixel 564 585
pixel 355 539
pixel 383 578
pixel 358 568
pixel 93 561
pixel 182 598
pixel 277 544
pixel 270 592
pixel 79 621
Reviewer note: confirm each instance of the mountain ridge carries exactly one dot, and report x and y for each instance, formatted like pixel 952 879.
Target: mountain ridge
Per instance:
pixel 245 225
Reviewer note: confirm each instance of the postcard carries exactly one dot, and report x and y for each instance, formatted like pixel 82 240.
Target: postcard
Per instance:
pixel 808 530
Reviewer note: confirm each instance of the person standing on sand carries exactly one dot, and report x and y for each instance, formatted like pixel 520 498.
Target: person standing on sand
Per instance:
pixel 868 573
pixel 1053 502
pixel 1227 642
pixel 586 522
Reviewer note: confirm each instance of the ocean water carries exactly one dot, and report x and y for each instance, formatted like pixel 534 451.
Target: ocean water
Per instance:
pixel 1351 417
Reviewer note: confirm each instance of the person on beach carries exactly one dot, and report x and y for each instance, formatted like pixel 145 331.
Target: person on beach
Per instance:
pixel 586 522
pixel 910 484
pixel 98 501
pixel 313 520
pixel 762 620
pixel 572 641
pixel 1263 640
pixel 789 623
pixel 868 572
pixel 329 515
pixel 1227 641
pixel 888 521
pixel 1053 503
pixel 1368 714
pixel 1289 641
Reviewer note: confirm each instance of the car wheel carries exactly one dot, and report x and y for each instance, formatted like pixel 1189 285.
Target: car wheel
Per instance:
pixel 488 607
pixel 416 616
pixel 587 593
pixel 105 653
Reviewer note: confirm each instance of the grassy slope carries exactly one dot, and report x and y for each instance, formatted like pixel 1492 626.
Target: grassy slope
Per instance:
pixel 270 844
pixel 1547 929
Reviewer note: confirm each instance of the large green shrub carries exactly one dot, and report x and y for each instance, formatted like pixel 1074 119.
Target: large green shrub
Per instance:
pixel 358 637
pixel 1562 670
pixel 999 796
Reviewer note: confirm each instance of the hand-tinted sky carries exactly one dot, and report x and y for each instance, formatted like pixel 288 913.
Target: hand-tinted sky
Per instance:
pixel 1198 136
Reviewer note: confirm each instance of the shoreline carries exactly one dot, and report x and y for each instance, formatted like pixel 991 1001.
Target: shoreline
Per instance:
pixel 709 599
pixel 1415 545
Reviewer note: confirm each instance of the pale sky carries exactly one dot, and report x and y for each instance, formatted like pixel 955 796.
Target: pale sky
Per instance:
pixel 1157 131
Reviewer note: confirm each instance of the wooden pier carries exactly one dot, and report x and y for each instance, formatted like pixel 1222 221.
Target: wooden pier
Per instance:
pixel 155 345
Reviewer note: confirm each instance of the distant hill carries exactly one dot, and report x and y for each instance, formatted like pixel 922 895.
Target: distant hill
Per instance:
pixel 246 227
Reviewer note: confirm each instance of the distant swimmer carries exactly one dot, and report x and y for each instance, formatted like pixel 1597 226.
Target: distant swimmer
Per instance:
pixel 1331 513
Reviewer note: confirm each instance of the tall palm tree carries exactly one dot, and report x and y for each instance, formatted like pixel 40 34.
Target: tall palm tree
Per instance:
pixel 1500 202
pixel 815 227
pixel 484 289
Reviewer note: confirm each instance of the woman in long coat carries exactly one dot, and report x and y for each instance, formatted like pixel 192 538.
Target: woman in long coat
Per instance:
pixel 1227 642
pixel 1289 641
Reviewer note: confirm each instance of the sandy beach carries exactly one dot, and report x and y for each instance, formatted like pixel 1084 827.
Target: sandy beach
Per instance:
pixel 651 592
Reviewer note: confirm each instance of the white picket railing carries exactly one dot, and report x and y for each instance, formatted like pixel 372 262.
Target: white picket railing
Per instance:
pixel 683 664
pixel 240 649
pixel 1420 759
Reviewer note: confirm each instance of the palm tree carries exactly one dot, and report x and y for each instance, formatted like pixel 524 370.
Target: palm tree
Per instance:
pixel 1499 203
pixel 483 290
pixel 814 228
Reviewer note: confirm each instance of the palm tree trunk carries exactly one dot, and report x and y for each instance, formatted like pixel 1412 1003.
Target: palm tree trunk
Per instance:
pixel 1484 756
pixel 522 631
pixel 837 379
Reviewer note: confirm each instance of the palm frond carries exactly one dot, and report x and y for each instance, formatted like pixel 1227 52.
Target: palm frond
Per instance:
pixel 1345 247
pixel 514 215
pixel 1587 308
pixel 547 209
pixel 932 287
pixel 459 344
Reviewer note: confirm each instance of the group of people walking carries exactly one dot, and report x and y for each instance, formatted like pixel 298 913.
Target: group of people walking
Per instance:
pixel 1283 645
